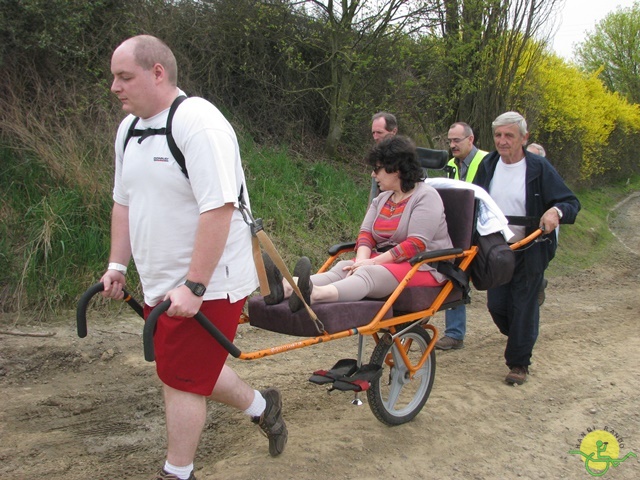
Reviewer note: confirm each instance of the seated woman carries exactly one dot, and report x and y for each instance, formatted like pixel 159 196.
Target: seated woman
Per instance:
pixel 406 218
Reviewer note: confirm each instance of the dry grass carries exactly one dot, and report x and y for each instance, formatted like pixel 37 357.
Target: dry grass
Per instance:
pixel 66 130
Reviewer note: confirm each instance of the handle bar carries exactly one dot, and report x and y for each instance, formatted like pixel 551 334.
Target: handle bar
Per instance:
pixel 150 328
pixel 81 313
pixel 150 324
pixel 525 241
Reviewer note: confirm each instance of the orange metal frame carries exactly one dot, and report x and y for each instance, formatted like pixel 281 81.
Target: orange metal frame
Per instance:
pixel 377 324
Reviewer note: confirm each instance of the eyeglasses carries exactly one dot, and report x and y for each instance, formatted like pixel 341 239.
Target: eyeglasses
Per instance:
pixel 456 141
pixel 377 168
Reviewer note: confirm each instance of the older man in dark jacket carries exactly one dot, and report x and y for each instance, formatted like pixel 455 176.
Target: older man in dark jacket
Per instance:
pixel 533 195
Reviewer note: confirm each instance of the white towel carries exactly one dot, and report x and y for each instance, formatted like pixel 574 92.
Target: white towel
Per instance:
pixel 490 217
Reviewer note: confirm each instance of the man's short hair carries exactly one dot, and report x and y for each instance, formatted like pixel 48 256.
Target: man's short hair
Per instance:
pixel 510 118
pixel 539 148
pixel 389 120
pixel 149 50
pixel 466 129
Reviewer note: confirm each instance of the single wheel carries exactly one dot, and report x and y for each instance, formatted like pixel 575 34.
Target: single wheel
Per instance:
pixel 394 397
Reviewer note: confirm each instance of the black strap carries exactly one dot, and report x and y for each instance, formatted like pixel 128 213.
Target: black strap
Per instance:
pixel 459 278
pixel 450 170
pixel 173 147
pixel 385 246
pixel 175 151
pixel 523 221
pixel 130 132
pixel 148 132
pixel 241 196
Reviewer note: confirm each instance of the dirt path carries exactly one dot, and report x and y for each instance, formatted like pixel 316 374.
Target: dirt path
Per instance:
pixel 75 408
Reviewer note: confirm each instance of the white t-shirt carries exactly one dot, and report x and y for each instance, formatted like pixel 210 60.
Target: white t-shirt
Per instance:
pixel 508 189
pixel 490 217
pixel 164 206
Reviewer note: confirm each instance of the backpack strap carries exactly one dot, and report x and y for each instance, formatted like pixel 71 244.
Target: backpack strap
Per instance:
pixel 130 132
pixel 175 151
pixel 167 131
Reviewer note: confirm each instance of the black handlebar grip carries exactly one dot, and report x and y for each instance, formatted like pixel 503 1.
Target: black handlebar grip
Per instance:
pixel 81 313
pixel 150 328
pixel 217 334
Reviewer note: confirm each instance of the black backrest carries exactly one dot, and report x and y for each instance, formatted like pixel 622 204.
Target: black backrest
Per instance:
pixel 432 159
pixel 460 210
pixel 429 160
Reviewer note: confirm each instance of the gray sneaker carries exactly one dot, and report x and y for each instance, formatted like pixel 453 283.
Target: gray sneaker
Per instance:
pixel 272 423
pixel 448 343
pixel 162 475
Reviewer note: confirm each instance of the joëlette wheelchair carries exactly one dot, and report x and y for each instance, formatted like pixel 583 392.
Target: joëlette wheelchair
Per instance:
pixel 400 373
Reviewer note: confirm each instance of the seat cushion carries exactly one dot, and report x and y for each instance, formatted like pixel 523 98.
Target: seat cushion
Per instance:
pixel 414 299
pixel 336 317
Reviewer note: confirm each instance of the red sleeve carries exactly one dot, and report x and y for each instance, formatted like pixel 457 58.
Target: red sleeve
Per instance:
pixel 365 239
pixel 408 249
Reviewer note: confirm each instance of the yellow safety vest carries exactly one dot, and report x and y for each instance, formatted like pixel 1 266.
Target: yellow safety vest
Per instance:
pixel 473 166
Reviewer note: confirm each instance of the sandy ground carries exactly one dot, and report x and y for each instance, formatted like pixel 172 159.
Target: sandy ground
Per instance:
pixel 75 408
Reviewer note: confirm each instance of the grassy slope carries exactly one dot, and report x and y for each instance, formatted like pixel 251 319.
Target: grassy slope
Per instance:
pixel 586 242
pixel 54 245
pixel 308 206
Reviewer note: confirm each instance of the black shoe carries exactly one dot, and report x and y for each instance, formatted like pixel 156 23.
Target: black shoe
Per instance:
pixel 302 270
pixel 271 422
pixel 274 277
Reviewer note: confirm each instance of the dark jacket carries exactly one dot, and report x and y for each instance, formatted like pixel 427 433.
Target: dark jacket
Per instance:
pixel 544 189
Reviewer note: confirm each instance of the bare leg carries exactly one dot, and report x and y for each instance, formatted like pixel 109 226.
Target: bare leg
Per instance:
pixel 319 294
pixel 324 294
pixel 186 413
pixel 320 280
pixel 288 289
pixel 231 390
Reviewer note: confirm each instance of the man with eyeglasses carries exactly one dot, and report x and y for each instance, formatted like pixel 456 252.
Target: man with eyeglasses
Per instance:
pixel 466 156
pixel 465 161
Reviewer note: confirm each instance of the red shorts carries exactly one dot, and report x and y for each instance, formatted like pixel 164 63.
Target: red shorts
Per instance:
pixel 188 358
pixel 419 279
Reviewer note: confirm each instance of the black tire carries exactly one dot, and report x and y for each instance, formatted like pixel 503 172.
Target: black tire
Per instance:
pixel 394 398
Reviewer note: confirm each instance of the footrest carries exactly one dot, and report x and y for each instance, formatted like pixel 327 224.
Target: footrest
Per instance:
pixel 360 380
pixel 344 367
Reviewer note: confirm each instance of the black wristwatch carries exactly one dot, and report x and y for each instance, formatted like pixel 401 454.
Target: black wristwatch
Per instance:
pixel 198 289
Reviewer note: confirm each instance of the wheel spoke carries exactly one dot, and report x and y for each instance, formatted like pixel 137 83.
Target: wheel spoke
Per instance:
pixel 394 398
pixel 396 379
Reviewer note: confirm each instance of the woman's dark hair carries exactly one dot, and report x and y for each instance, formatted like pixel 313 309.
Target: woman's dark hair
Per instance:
pixel 398 154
